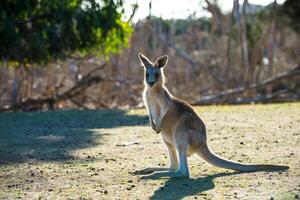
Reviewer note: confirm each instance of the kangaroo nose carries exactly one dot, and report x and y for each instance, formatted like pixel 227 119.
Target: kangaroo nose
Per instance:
pixel 151 83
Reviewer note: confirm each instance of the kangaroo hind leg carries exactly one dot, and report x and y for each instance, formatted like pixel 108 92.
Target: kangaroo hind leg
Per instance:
pixel 182 170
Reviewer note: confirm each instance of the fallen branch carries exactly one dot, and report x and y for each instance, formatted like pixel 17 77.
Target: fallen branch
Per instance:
pixel 224 97
pixel 38 103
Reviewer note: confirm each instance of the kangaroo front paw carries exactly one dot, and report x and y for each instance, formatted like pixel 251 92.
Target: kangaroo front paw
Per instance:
pixel 158 130
pixel 155 128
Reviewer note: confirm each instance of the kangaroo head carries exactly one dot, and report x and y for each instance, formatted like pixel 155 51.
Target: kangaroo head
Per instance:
pixel 153 72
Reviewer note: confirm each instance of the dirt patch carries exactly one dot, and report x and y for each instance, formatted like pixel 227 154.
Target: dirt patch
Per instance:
pixel 91 154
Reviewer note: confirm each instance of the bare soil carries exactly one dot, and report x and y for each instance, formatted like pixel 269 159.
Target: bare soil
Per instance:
pixel 91 154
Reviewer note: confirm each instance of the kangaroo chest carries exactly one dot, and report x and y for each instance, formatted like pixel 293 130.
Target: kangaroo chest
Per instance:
pixel 157 103
pixel 154 108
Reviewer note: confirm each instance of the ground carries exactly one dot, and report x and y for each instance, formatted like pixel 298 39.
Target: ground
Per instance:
pixel 91 154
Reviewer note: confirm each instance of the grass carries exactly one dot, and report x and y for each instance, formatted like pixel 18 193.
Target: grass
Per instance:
pixel 90 155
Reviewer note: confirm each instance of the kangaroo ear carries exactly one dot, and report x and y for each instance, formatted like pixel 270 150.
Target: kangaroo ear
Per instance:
pixel 161 61
pixel 144 60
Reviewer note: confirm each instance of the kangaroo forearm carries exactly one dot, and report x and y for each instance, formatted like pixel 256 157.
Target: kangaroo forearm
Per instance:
pixel 151 120
pixel 161 117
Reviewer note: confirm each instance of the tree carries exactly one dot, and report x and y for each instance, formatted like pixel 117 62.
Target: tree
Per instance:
pixel 33 31
pixel 291 9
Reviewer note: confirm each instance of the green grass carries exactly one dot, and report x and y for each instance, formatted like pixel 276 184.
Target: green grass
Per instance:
pixel 90 154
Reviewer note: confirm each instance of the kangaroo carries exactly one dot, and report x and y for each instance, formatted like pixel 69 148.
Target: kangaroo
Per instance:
pixel 181 128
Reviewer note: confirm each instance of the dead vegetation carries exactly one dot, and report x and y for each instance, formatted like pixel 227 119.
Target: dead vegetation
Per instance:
pixel 209 57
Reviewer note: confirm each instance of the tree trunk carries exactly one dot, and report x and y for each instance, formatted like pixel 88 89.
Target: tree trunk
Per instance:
pixel 228 52
pixel 271 46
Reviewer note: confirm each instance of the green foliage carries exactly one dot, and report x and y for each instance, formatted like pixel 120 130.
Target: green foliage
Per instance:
pixel 291 9
pixel 39 31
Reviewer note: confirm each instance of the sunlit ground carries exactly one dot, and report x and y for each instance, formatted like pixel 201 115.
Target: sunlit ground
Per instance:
pixel 91 154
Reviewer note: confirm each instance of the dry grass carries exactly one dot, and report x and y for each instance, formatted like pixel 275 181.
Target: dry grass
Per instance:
pixel 91 154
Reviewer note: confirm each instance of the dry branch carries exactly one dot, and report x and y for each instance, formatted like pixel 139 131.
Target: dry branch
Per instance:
pixel 226 96
pixel 38 103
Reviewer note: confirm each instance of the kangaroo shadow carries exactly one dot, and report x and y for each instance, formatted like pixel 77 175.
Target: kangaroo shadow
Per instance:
pixel 176 189
pixel 50 136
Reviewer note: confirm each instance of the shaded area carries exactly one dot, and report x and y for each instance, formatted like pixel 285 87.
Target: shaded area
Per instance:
pixel 49 136
pixel 176 189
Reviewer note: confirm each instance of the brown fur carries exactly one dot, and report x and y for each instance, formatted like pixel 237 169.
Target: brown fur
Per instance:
pixel 181 128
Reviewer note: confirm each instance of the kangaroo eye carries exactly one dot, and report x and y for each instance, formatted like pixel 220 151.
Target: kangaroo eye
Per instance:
pixel 147 75
pixel 156 75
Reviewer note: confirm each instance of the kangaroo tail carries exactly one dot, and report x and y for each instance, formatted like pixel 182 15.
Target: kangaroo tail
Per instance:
pixel 213 159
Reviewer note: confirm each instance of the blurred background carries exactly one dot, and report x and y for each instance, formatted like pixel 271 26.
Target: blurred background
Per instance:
pixel 82 54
